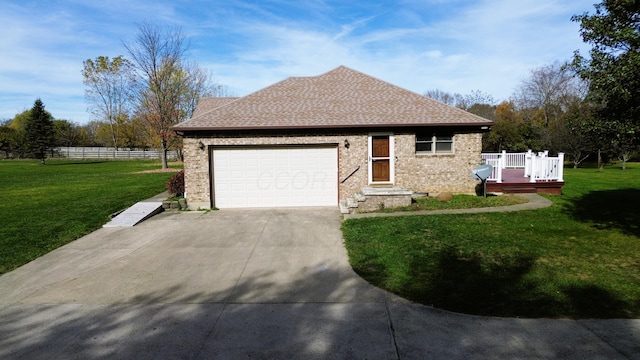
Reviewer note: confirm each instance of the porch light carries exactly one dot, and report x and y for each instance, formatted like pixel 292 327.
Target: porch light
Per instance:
pixel 346 143
pixel 201 145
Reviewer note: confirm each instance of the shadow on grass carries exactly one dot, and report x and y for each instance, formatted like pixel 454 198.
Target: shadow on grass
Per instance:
pixel 473 284
pixel 610 209
pixel 465 283
pixel 56 162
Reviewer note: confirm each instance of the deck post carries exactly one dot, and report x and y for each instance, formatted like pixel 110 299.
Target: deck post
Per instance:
pixel 503 160
pixel 527 163
pixel 560 167
pixel 534 166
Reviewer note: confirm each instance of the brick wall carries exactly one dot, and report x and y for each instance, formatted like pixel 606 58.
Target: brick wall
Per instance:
pixel 438 172
pixel 423 173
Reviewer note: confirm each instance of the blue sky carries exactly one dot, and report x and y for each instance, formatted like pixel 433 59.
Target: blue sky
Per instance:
pixel 451 45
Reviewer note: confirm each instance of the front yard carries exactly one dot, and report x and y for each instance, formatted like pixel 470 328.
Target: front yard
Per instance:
pixel 579 258
pixel 45 207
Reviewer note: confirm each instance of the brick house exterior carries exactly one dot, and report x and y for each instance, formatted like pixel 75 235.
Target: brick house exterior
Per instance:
pixel 426 146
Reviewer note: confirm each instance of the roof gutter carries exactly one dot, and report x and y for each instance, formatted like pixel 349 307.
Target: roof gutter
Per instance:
pixel 179 129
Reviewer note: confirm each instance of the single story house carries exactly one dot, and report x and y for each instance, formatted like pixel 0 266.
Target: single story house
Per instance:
pixel 326 140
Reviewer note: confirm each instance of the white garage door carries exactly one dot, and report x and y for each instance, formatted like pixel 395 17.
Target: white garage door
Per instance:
pixel 275 177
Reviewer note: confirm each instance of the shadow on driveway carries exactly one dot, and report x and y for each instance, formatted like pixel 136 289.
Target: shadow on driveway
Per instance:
pixel 253 284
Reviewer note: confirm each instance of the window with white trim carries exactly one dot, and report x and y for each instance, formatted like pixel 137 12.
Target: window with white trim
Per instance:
pixel 430 143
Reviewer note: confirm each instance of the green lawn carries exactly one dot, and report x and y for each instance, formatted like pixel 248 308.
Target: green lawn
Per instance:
pixel 45 207
pixel 459 201
pixel 579 258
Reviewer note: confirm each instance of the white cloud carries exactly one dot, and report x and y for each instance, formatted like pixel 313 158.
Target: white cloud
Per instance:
pixel 456 46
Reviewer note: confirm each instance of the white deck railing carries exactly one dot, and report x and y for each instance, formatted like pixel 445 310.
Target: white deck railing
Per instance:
pixel 496 172
pixel 537 167
pixel 542 167
pixel 507 160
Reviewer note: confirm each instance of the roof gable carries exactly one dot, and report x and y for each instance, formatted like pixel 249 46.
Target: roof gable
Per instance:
pixel 340 98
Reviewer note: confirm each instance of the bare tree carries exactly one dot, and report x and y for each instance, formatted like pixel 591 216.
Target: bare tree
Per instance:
pixel 158 54
pixel 110 88
pixel 444 97
pixel 550 89
pixel 170 85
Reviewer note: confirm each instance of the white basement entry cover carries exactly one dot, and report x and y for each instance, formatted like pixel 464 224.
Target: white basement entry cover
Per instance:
pixel 249 176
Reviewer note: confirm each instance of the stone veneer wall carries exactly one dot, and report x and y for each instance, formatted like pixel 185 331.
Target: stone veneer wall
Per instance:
pixel 438 172
pixel 422 173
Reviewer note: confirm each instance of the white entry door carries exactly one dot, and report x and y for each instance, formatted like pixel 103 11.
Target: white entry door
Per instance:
pixel 275 176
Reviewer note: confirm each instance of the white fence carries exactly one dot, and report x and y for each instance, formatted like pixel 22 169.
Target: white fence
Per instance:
pixel 98 152
pixel 537 167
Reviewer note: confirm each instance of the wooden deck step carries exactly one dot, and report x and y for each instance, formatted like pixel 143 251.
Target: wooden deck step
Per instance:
pixel 519 189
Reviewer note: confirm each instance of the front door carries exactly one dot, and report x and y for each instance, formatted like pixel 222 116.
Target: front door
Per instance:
pixel 380 155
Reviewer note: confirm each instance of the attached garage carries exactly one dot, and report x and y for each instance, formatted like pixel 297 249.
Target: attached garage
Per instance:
pixel 320 140
pixel 281 176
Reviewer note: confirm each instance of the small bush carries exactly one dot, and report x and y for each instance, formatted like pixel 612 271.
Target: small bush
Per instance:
pixel 175 184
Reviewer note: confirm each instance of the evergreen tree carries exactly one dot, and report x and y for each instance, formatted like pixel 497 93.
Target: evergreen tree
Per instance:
pixel 39 133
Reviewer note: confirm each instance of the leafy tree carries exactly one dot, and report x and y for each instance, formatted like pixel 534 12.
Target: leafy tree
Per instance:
pixel 88 133
pixel 575 133
pixel 505 132
pixel 613 70
pixel 39 133
pixel 66 133
pixel 8 139
pixel 110 87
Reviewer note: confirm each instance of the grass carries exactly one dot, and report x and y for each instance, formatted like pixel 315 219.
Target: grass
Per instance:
pixel 580 258
pixel 460 201
pixel 45 207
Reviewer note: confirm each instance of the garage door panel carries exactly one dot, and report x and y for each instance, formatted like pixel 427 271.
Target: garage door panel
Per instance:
pixel 271 177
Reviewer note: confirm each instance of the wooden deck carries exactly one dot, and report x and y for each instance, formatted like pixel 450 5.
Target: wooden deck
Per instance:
pixel 514 182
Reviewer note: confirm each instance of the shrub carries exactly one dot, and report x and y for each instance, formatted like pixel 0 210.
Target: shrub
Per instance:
pixel 175 184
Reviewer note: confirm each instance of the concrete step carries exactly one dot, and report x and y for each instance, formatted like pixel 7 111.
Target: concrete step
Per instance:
pixel 344 208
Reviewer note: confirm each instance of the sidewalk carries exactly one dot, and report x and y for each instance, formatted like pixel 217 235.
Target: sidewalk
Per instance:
pixel 535 202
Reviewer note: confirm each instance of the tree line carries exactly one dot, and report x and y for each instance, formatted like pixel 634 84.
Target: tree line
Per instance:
pixel 587 107
pixel 133 101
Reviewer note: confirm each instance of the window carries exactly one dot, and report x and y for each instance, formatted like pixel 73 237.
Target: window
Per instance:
pixel 434 144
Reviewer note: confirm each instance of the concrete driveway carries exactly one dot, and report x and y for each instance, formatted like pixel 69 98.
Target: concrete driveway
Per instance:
pixel 260 284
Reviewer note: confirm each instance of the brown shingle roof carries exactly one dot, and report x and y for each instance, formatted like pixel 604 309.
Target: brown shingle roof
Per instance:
pixel 207 104
pixel 340 98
